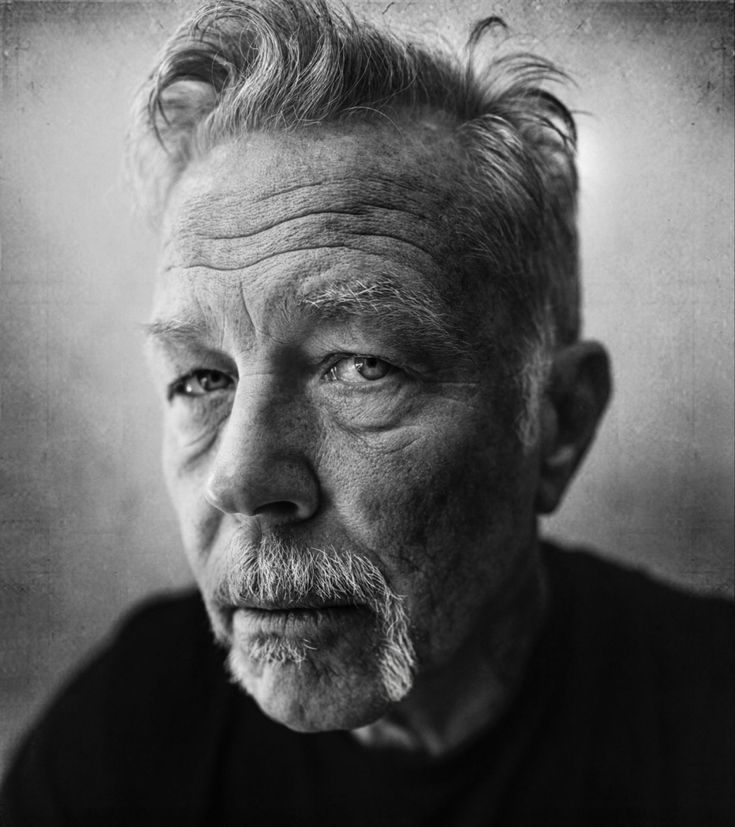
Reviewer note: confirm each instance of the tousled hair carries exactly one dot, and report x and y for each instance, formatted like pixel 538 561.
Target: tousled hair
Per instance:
pixel 276 65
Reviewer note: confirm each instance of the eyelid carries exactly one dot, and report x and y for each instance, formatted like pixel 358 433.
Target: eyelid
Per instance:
pixel 176 387
pixel 337 356
pixel 335 360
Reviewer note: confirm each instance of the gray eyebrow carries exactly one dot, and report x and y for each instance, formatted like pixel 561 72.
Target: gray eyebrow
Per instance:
pixel 410 310
pixel 173 331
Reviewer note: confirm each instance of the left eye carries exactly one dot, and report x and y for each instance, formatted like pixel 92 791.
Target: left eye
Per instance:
pixel 359 369
pixel 199 383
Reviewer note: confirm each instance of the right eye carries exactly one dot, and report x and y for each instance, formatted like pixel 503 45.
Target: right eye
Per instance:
pixel 200 383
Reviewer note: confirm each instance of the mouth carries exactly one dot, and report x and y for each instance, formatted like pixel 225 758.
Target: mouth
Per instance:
pixel 296 620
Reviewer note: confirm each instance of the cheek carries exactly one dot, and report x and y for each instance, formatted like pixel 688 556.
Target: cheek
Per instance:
pixel 186 482
pixel 442 515
pixel 419 491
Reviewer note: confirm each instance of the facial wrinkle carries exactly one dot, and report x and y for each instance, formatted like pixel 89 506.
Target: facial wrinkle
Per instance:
pixel 412 187
pixel 235 258
pixel 211 217
pixel 245 231
pixel 362 191
pixel 256 261
pixel 205 208
pixel 248 315
pixel 360 212
pixel 286 205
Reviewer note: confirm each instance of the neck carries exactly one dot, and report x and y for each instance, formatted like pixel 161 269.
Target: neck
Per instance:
pixel 449 706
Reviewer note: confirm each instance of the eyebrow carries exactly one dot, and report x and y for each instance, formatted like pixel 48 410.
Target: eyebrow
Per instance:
pixel 418 312
pixel 174 330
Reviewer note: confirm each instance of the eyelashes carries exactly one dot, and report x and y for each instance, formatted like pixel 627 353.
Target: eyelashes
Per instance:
pixel 200 382
pixel 359 369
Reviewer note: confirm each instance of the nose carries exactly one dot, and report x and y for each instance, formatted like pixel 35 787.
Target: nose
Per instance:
pixel 261 465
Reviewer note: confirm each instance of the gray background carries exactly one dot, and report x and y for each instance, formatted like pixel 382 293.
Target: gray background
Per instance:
pixel 85 526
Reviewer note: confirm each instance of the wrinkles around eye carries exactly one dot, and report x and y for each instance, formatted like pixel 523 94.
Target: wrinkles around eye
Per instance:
pixel 197 420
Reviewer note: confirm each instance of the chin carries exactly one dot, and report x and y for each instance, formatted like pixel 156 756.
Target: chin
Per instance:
pixel 308 693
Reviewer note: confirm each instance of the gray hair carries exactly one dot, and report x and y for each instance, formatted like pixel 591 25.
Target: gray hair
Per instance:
pixel 238 66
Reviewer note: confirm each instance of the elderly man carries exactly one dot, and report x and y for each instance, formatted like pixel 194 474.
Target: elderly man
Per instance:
pixel 366 337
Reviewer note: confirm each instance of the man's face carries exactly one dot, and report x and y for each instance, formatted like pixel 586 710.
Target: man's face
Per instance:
pixel 333 405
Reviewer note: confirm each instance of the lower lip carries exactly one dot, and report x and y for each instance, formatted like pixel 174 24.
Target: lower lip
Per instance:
pixel 297 623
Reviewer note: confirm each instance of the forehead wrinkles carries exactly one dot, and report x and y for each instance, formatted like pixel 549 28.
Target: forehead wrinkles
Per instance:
pixel 232 229
pixel 188 308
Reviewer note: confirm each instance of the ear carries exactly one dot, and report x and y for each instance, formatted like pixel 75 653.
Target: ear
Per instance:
pixel 571 408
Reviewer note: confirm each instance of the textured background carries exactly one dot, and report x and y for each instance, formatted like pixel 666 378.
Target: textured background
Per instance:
pixel 84 525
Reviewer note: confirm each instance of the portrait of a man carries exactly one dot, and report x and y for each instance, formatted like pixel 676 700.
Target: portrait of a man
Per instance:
pixel 365 337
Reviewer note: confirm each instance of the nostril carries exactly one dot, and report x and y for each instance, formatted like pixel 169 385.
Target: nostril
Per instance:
pixel 279 511
pixel 272 488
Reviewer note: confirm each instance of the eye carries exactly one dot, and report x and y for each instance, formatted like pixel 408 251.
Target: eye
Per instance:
pixel 199 383
pixel 359 369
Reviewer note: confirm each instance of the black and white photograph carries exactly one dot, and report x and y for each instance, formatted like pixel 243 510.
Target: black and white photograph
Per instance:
pixel 367 413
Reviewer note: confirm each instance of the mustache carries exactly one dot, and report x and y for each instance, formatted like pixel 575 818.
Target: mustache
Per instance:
pixel 274 571
pixel 277 572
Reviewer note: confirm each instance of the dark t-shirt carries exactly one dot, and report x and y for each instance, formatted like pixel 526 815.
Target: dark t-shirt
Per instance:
pixel 625 717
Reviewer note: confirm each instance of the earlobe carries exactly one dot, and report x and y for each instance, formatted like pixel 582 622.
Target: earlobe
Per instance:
pixel 571 409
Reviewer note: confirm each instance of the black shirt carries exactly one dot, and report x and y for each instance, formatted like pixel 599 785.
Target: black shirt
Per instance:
pixel 625 717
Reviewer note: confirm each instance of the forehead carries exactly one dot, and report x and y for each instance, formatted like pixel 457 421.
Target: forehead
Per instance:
pixel 407 168
pixel 295 212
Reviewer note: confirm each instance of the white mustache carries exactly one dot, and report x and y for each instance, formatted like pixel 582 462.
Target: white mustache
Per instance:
pixel 276 572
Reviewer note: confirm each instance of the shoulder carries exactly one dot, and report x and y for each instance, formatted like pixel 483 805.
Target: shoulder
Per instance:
pixel 141 704
pixel 152 650
pixel 657 664
pixel 684 642
pixel 163 633
pixel 678 623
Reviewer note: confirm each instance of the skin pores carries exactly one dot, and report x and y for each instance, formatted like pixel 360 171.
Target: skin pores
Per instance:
pixel 329 386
